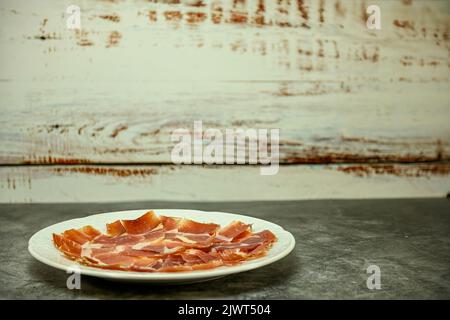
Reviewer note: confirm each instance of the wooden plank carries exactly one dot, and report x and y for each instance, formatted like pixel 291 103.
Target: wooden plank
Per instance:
pixel 109 128
pixel 412 45
pixel 219 183
pixel 114 91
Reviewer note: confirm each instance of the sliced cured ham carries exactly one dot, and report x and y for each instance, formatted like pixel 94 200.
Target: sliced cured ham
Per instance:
pixel 141 225
pixel 252 246
pixel 164 244
pixel 235 230
pixel 115 229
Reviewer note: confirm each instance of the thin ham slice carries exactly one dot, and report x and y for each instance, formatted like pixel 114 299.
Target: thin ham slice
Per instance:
pixel 250 247
pixel 141 225
pixel 164 244
pixel 188 233
pixel 232 231
pixel 188 226
pixel 70 248
pixel 115 229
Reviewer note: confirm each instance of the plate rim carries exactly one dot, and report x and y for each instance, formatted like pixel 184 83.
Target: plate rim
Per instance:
pixel 161 276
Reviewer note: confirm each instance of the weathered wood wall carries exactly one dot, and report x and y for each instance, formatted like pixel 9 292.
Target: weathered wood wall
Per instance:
pixel 87 114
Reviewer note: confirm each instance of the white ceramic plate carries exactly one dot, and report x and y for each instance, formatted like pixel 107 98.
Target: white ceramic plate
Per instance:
pixel 41 246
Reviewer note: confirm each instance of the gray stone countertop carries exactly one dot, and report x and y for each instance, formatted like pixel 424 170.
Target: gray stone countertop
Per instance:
pixel 336 240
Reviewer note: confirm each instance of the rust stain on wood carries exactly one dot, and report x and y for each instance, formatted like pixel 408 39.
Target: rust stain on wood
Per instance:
pixel 106 171
pixel 14 181
pixel 364 14
pixel 370 56
pixel 55 160
pixel 409 61
pixel 110 17
pixel 321 11
pixel 57 127
pixel 44 35
pixel 153 16
pixel 336 50
pixel 216 13
pixel 304 52
pixel 258 19
pixel 238 12
pixel 340 10
pixel 48 36
pixel 440 151
pixel 361 140
pixel 303 9
pixel 82 38
pixel 85 43
pixel 315 88
pixel 173 15
pixel 150 133
pixel 316 155
pixel 119 150
pixel 114 39
pixel 118 130
pixel 11 183
pixel 195 17
pixel 320 52
pixel 397 170
pixel 197 4
pixel 404 24
pixel 238 17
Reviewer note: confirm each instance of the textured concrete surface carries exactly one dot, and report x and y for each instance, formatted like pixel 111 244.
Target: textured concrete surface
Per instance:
pixel 336 242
